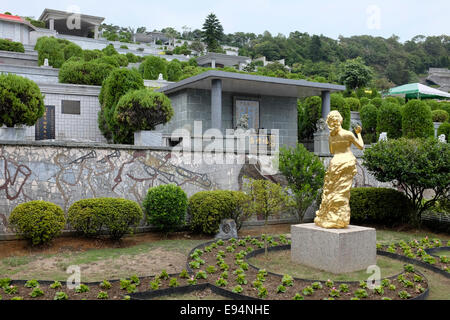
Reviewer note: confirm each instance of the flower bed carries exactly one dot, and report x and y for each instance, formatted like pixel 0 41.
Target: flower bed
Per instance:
pixel 222 267
pixel 422 252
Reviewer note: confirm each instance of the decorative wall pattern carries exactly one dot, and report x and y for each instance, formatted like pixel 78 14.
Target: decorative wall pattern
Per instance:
pixel 63 174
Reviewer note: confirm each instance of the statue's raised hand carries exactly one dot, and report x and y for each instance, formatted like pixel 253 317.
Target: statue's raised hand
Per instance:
pixel 358 130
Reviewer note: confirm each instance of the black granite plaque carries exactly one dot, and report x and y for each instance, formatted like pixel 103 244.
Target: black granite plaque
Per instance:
pixel 45 127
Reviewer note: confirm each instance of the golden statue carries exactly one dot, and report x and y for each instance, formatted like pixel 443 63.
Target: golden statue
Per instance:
pixel 334 212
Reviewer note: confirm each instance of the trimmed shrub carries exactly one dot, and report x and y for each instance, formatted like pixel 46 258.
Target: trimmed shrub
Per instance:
pixel 208 208
pixel 81 72
pixel 8 45
pixel 114 216
pixel 380 206
pixel 434 105
pixel 110 50
pixel 38 221
pixel 51 49
pixel 417 121
pixel 353 104
pixel 111 60
pixel 118 83
pixel 390 120
pixel 174 70
pixel 390 100
pixel 364 100
pixel 152 67
pixel 338 103
pixel 140 110
pixel 133 58
pixel 377 102
pixel 89 55
pixel 444 129
pixel 123 60
pixel 369 115
pixel 21 101
pixel 72 50
pixel 166 207
pixel 439 115
pixel 444 106
pixel 311 113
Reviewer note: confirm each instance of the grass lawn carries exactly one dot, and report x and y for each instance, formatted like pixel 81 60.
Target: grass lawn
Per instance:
pixel 97 264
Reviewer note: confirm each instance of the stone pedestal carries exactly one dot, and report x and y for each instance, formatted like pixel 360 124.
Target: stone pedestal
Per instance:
pixel 148 139
pixel 333 250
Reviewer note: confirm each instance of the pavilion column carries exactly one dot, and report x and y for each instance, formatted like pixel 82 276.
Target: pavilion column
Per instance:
pixel 326 104
pixel 216 104
pixel 96 32
pixel 51 24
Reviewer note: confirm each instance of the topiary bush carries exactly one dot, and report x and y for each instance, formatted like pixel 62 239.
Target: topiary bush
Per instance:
pixel 364 100
pixel 353 104
pixel 417 120
pixel 89 55
pixel 380 206
pixel 38 221
pixel 81 72
pixel 338 103
pixel 311 113
pixel 208 208
pixel 390 120
pixel 72 50
pixel 21 101
pixel 118 83
pixel 8 45
pixel 114 216
pixel 51 49
pixel 174 70
pixel 444 129
pixel 377 102
pixel 152 66
pixel 439 115
pixel 109 50
pixel 445 106
pixel 166 207
pixel 369 115
pixel 140 110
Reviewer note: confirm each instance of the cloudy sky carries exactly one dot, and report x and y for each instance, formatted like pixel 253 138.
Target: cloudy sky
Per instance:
pixel 405 18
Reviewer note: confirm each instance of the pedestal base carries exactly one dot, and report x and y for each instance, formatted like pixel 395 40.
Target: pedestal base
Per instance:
pixel 334 250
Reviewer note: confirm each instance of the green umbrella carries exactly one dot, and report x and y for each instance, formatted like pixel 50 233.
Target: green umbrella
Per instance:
pixel 418 91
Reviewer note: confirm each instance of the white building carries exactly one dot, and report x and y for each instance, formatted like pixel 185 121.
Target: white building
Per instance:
pixel 15 28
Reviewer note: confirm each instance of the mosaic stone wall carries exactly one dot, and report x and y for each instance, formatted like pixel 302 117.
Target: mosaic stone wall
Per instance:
pixel 64 173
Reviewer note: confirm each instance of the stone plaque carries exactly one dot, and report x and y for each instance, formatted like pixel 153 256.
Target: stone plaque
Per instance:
pixel 70 107
pixel 45 126
pixel 250 108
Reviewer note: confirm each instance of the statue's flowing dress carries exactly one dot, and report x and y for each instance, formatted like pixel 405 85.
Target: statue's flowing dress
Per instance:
pixel 334 211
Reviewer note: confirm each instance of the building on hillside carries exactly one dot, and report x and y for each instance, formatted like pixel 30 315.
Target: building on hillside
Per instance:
pixel 219 99
pixel 152 37
pixel 74 24
pixel 15 28
pixel 440 77
pixel 220 60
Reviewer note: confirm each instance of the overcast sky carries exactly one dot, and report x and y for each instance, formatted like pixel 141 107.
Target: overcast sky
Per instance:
pixel 405 18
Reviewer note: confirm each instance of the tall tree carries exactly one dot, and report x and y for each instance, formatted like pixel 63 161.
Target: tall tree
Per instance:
pixel 212 33
pixel 355 74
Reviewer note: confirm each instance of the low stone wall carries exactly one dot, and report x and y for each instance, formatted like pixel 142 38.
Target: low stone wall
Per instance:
pixel 63 173
pixel 19 58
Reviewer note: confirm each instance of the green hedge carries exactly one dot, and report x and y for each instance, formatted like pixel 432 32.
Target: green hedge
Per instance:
pixel 417 120
pixel 8 45
pixel 152 67
pixel 82 72
pixel 310 113
pixel 51 49
pixel 380 206
pixel 208 208
pixel 444 129
pixel 21 101
pixel 439 115
pixel 369 115
pixel 38 221
pixel 114 216
pixel 338 103
pixel 353 104
pixel 166 207
pixel 72 50
pixel 390 120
